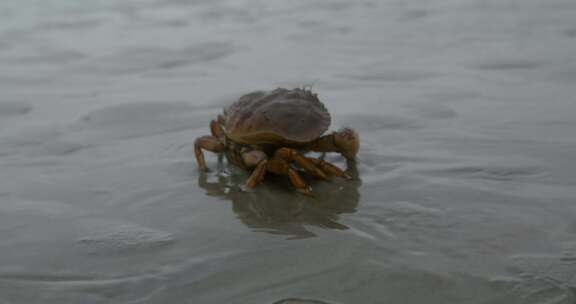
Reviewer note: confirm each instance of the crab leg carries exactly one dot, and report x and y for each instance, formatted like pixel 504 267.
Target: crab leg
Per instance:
pixel 291 155
pixel 276 166
pixel 297 181
pixel 280 166
pixel 256 177
pixel 216 129
pixel 209 143
pixel 328 167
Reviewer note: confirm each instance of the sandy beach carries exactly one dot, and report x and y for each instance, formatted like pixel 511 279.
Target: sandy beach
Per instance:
pixel 465 188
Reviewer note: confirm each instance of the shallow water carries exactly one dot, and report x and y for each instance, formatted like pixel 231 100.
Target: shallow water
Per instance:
pixel 465 189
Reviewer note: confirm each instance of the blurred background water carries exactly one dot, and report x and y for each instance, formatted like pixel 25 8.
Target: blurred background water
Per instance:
pixel 466 188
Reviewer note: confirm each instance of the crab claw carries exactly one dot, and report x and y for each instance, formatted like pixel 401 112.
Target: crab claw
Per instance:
pixel 348 142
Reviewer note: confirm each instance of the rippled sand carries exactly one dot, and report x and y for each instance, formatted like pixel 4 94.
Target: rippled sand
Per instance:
pixel 465 189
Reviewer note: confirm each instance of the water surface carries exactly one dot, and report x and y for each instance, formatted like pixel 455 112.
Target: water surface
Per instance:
pixel 465 188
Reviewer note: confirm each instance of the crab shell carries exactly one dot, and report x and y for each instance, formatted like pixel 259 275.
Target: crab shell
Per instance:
pixel 276 117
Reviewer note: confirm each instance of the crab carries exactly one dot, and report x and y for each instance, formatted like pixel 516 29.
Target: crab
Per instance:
pixel 270 132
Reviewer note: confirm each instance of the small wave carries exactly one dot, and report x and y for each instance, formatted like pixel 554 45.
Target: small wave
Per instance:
pixel 13 109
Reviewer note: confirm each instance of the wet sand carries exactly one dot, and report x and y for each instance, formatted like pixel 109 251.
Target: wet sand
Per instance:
pixel 465 188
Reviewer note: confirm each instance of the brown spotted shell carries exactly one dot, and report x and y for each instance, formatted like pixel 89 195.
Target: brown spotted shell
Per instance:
pixel 276 117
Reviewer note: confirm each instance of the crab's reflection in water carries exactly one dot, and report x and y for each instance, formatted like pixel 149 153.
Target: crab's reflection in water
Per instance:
pixel 276 208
